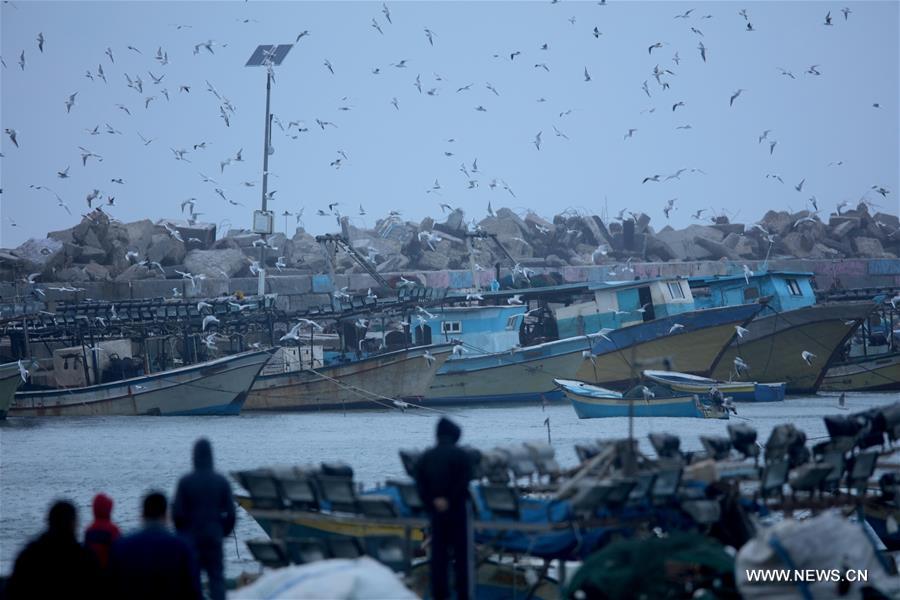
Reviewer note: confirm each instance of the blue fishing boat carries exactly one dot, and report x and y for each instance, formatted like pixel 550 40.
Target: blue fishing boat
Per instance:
pixel 738 391
pixel 793 339
pixel 591 332
pixel 593 402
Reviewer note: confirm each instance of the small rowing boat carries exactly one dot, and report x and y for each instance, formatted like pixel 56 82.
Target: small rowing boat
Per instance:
pixel 738 391
pixel 593 402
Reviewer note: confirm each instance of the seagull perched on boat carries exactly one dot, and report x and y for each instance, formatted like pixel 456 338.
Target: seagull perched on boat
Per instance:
pixel 675 327
pixel 474 297
pixel 807 356
pixel 603 333
pixel 515 299
pixel 23 372
pixel 740 366
pixel 747 274
pixel 425 312
pixel 458 350
pixel 401 405
pixel 429 357
pixel 201 305
pixel 647 392
pixel 741 331
pixel 208 320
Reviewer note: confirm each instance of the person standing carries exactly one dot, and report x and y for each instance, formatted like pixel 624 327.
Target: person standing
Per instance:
pixel 100 535
pixel 55 565
pixel 442 478
pixel 203 512
pixel 154 562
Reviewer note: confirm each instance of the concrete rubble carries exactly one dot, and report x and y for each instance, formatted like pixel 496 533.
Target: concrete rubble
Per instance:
pixel 102 249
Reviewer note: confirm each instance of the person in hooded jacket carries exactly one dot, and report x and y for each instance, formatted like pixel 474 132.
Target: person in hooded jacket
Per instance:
pixel 55 565
pixel 100 535
pixel 203 512
pixel 442 478
pixel 154 563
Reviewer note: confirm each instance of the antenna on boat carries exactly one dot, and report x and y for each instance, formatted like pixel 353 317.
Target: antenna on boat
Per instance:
pixel 765 265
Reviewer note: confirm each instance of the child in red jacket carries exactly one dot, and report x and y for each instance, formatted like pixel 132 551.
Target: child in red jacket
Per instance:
pixel 101 534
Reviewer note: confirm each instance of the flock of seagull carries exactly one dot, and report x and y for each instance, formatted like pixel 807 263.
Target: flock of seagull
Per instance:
pixel 100 196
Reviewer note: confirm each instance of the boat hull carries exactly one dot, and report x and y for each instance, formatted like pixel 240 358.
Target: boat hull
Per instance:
pixel 527 374
pixel 693 349
pixel 217 387
pixel 775 342
pixel 10 380
pixel 749 391
pixel 874 373
pixel 369 383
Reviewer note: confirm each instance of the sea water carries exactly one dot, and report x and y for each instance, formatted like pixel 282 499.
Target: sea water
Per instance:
pixel 43 459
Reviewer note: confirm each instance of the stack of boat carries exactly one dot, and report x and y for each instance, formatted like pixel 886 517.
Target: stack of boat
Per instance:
pixel 691 346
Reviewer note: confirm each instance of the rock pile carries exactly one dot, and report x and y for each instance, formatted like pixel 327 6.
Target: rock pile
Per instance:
pixel 101 249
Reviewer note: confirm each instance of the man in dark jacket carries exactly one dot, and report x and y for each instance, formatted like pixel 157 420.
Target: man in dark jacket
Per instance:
pixel 154 562
pixel 204 512
pixel 55 565
pixel 442 478
pixel 100 535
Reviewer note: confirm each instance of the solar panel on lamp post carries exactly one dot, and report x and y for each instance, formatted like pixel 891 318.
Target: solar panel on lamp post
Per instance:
pixel 268 56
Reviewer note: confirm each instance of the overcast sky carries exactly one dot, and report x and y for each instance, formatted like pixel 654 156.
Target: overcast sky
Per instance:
pixel 394 156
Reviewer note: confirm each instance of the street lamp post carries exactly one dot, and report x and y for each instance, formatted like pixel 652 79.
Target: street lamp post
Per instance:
pixel 269 56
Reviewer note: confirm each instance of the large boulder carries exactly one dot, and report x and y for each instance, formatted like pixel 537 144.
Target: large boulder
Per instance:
pixel 867 247
pixel 796 244
pixel 91 254
pixel 215 264
pixel 717 250
pixel 140 235
pixel 777 222
pixel 682 241
pixel 41 255
pixel 432 261
pixel 165 250
pixel 95 272
pixel 138 272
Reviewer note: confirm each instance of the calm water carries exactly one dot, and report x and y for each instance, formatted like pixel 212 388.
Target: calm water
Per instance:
pixel 48 458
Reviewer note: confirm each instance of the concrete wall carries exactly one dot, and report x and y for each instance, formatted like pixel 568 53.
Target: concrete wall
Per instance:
pixel 297 292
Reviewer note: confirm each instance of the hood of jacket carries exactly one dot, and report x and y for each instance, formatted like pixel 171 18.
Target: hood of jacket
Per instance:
pixel 103 506
pixel 203 457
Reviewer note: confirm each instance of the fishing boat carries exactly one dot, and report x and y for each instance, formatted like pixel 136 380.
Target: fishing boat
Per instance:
pixel 216 387
pixel 384 379
pixel 593 402
pixel 596 340
pixel 793 339
pixel 738 391
pixel 870 360
pixel 864 373
pixel 10 380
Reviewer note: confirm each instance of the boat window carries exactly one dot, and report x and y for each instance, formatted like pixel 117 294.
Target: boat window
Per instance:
pixel 793 287
pixel 751 293
pixel 451 326
pixel 675 290
pixel 511 322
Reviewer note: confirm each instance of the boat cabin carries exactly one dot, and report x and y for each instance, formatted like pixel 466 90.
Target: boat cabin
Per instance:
pixel 620 304
pixel 482 329
pixel 785 290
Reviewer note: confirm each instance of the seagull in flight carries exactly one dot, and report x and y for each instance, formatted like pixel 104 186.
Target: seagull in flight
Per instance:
pixel 537 140
pixel 587 76
pixel 799 186
pixel 702 50
pixel 734 96
pixel 629 134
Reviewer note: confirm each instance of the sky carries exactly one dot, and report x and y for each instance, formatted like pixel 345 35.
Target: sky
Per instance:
pixel 828 133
